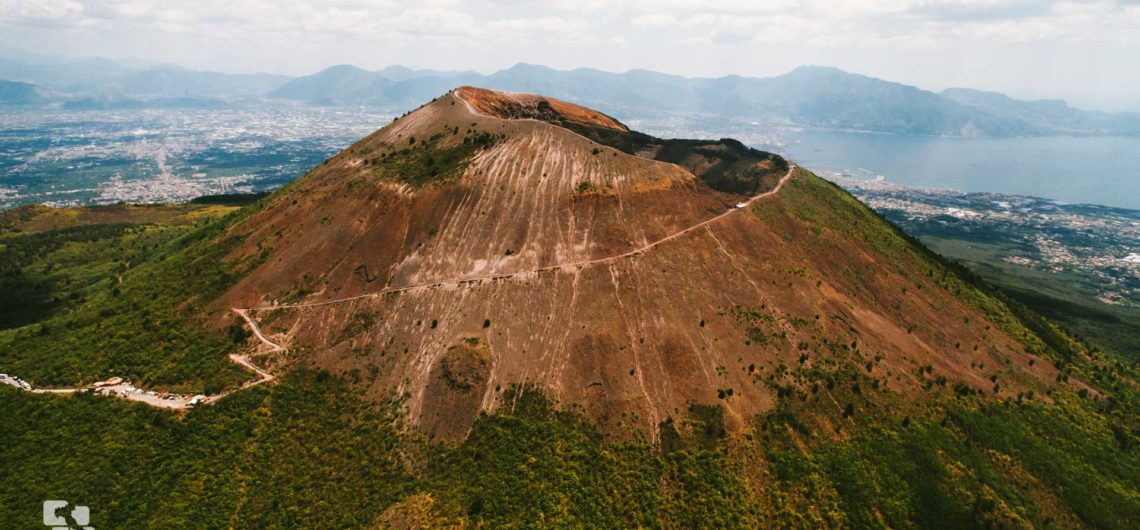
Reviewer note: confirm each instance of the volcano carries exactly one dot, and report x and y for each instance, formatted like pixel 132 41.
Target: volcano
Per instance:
pixel 489 240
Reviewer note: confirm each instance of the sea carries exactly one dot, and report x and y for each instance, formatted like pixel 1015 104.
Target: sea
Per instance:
pixel 1075 170
pixel 97 157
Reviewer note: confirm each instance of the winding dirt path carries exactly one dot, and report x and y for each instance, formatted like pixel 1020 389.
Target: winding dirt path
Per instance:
pixel 244 314
pixel 570 265
pixel 125 390
pixel 116 387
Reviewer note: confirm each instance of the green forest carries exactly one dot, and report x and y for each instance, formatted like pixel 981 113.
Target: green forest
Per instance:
pixel 311 451
pixel 308 453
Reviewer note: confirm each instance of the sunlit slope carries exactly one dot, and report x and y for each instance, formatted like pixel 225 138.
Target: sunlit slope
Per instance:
pixel 455 253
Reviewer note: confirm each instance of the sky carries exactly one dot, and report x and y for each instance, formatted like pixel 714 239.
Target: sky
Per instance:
pixel 1084 51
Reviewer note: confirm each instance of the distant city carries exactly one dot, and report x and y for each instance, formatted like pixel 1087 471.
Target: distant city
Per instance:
pixel 1098 246
pixel 74 158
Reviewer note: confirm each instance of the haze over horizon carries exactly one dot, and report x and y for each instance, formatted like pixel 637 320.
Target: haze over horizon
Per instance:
pixel 1080 51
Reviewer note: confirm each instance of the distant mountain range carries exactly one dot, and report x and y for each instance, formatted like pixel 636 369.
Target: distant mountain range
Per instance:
pixel 96 77
pixel 815 97
pixel 16 93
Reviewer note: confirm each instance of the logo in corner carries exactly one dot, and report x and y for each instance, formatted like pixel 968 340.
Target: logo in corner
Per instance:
pixel 80 516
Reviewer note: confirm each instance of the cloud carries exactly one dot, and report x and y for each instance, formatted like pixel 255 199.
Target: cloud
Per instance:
pixel 655 20
pixel 533 24
pixel 981 10
pixel 850 22
pixel 487 33
pixel 729 36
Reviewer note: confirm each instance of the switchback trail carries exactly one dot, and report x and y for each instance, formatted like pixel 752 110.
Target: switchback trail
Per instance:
pixel 244 314
pixel 127 391
pixel 116 387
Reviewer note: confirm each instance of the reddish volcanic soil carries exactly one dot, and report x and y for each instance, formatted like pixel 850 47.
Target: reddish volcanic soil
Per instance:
pixel 804 278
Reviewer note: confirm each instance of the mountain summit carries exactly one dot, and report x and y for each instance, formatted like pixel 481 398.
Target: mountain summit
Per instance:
pixel 503 309
pixel 491 239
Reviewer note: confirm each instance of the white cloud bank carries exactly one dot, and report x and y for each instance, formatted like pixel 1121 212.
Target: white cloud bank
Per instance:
pixel 1031 47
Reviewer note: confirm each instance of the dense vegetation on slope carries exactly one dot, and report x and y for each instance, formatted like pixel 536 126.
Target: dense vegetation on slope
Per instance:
pixel 841 445
pixel 85 302
pixel 1066 298
pixel 440 157
pixel 309 453
pixel 287 457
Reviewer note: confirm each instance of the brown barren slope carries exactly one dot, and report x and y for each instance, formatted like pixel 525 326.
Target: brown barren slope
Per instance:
pixel 514 105
pixel 803 286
